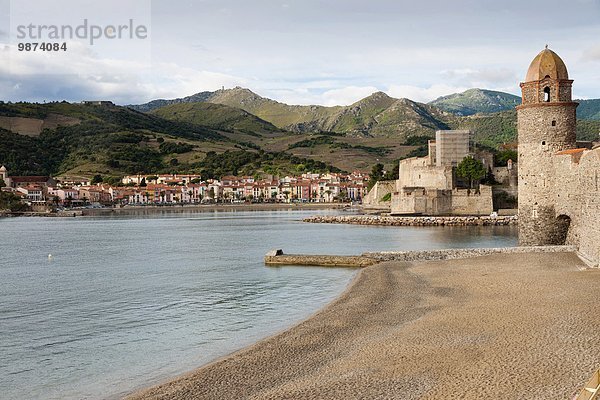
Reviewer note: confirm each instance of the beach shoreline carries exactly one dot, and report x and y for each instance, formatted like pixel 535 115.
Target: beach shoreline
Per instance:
pixel 483 326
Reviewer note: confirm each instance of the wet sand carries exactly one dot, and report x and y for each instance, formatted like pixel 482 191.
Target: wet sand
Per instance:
pixel 506 326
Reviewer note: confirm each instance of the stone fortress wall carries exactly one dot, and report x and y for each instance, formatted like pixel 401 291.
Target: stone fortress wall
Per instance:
pixel 374 199
pixel 577 201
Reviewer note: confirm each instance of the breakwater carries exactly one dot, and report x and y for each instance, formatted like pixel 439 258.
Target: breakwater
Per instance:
pixel 277 257
pixel 413 221
pixel 319 260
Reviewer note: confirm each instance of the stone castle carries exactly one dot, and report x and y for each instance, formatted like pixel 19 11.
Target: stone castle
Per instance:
pixel 558 186
pixel 429 185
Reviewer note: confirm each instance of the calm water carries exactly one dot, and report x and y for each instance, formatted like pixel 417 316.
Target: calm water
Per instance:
pixel 126 302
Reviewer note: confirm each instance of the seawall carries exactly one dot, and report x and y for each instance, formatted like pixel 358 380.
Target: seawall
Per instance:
pixel 413 221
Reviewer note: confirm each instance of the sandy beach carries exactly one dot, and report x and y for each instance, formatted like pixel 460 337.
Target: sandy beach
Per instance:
pixel 506 326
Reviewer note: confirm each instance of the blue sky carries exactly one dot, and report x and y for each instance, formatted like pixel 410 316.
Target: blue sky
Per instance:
pixel 304 51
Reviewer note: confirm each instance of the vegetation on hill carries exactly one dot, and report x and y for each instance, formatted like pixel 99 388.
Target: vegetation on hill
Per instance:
pixel 378 173
pixel 248 163
pixel 589 109
pixel 490 129
pixel 9 201
pixel 475 101
pixel 334 144
pixel 113 140
pixel 375 115
pixel 215 116
pixel 588 130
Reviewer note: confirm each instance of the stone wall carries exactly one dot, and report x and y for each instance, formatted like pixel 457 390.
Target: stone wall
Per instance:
pixel 412 221
pixel 377 192
pixel 506 176
pixel 419 200
pixel 452 254
pixel 418 172
pixel 472 202
pixel 426 201
pixel 577 201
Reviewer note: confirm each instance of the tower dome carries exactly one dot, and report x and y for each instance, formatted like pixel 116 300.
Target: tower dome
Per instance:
pixel 3 169
pixel 546 64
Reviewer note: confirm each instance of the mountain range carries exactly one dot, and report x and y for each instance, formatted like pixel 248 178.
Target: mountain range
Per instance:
pixel 377 115
pixel 237 130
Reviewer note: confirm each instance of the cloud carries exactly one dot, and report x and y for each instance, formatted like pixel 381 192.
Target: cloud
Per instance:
pixel 484 77
pixel 591 54
pixel 305 95
pixel 79 74
pixel 423 94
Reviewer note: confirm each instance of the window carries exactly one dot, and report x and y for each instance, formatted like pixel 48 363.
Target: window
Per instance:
pixel 543 142
pixel 553 123
pixel 547 94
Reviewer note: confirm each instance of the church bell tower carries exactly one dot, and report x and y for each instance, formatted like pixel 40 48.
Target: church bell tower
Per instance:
pixel 546 125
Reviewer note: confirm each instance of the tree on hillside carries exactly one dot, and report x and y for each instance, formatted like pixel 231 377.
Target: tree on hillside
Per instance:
pixel 2 183
pixel 471 169
pixel 503 156
pixel 96 179
pixel 376 175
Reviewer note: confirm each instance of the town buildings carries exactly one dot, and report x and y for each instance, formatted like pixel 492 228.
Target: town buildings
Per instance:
pixel 190 189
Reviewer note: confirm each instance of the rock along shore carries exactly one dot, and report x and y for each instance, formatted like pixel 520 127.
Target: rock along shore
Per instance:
pixel 413 221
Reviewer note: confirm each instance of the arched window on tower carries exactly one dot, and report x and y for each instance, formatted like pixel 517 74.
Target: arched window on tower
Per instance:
pixel 547 94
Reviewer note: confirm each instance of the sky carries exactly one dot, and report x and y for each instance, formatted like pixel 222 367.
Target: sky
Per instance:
pixel 298 51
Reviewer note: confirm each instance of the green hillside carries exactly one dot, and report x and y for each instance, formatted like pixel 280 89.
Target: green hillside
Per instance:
pixel 78 139
pixel 589 109
pixel 498 128
pixel 113 141
pixel 475 101
pixel 215 116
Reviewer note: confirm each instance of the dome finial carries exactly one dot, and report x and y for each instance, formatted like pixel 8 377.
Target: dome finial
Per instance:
pixel 546 46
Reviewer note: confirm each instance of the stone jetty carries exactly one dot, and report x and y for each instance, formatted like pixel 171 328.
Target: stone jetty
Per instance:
pixel 279 258
pixel 413 221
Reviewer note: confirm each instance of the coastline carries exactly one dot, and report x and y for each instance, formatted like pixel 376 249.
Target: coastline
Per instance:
pixel 405 330
pixel 139 210
pixel 218 207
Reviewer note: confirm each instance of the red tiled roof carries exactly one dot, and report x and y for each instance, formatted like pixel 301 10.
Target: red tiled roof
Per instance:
pixel 571 151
